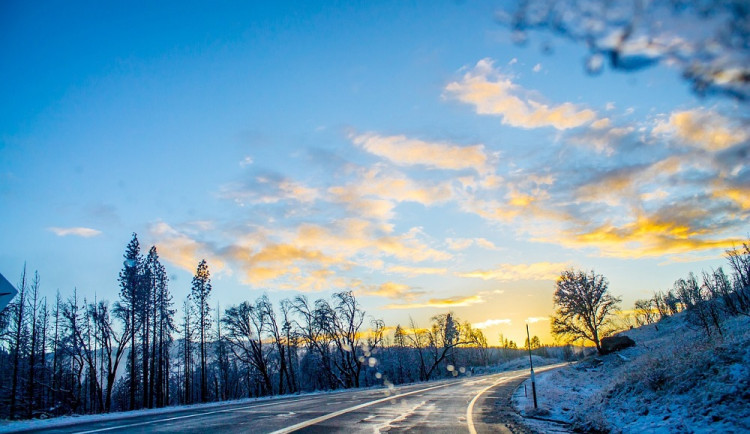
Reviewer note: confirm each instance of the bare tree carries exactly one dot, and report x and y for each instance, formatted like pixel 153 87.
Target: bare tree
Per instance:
pixel 644 312
pixel 291 341
pixel 112 344
pixel 312 327
pixel 18 321
pixel 269 319
pixel 244 325
pixel 584 307
pixel 343 325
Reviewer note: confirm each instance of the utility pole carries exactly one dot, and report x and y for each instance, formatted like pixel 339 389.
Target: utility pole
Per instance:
pixel 531 363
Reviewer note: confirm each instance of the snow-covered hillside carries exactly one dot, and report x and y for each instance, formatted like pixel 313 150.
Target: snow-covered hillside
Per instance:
pixel 674 380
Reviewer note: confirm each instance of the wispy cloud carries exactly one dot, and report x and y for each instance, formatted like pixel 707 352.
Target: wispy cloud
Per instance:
pixel 268 189
pixel 76 231
pixel 704 129
pixel 440 302
pixel 394 290
pixel 514 272
pixel 465 243
pixel 535 319
pixel 374 192
pixel 406 151
pixel 416 271
pixel 493 93
pixel 182 250
pixel 648 236
pixel 310 257
pixel 491 322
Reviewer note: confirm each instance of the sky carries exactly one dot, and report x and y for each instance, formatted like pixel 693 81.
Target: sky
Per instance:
pixel 408 151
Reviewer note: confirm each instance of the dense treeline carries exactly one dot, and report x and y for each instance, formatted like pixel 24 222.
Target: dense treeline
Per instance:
pixel 707 299
pixel 76 356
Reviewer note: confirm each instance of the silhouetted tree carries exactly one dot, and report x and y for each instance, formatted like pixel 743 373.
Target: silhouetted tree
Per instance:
pixel 130 289
pixel 18 320
pixel 200 293
pixel 584 307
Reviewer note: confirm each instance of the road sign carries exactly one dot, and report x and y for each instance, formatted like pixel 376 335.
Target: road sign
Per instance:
pixel 7 292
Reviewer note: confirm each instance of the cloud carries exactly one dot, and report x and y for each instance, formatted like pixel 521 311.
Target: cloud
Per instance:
pixel 311 257
pixel 77 231
pixel 537 67
pixel 350 237
pixel 490 323
pixel 404 151
pixel 275 261
pixel 703 129
pixel 394 290
pixel 416 271
pixel 182 250
pixel 440 303
pixel 535 319
pixel 375 191
pixel 676 231
pixel 602 138
pixel 465 243
pixel 268 189
pixel 492 93
pixel 370 208
pixel 737 193
pixel 515 272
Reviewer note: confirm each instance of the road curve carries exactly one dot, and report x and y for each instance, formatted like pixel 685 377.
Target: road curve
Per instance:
pixel 466 405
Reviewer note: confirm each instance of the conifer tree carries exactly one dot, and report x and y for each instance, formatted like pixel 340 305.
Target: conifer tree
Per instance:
pixel 200 292
pixel 130 288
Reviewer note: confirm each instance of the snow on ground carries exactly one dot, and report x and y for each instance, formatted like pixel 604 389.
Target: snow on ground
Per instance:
pixel 673 380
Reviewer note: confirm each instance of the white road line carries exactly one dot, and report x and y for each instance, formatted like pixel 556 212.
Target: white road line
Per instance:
pixel 150 422
pixel 470 408
pixel 325 417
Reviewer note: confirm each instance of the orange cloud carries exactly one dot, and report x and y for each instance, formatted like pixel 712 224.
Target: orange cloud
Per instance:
pixel 183 251
pixel 514 272
pixel 646 236
pixel 404 151
pixel 440 303
pixel 394 290
pixel 492 93
pixel 375 193
pixel 704 129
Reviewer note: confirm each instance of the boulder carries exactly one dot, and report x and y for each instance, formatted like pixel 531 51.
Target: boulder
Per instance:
pixel 616 343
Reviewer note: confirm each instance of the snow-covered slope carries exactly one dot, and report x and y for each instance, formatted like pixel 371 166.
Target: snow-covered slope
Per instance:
pixel 674 380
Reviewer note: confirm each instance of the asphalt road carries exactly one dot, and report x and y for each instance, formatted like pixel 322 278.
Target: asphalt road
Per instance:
pixel 473 404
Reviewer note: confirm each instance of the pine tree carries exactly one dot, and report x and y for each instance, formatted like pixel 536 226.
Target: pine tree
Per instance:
pixel 163 327
pixel 130 288
pixel 200 293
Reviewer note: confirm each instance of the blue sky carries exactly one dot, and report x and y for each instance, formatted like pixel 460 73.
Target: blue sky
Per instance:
pixel 408 151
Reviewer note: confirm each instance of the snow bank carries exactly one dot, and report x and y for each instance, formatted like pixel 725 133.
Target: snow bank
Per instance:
pixel 673 380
